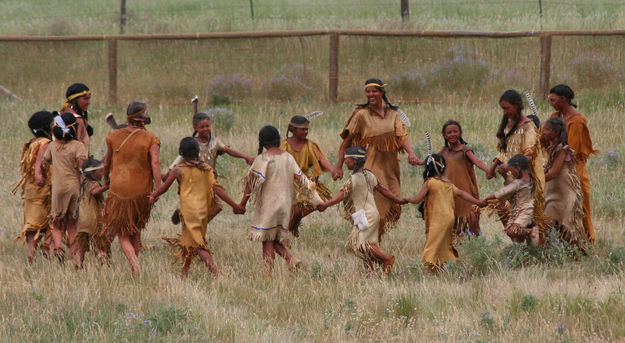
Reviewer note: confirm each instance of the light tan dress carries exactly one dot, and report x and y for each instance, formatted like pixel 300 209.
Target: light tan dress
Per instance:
pixel 36 198
pixel 564 198
pixel 525 141
pixel 438 212
pixel 384 138
pixel 90 218
pixel 359 191
pixel 517 195
pixel 64 156
pixel 271 180
pixel 208 154
pixel 195 187
pixel 127 207
pixel 461 173
pixel 579 140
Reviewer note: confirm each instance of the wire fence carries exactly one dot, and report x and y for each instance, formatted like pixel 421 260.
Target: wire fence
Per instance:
pixel 319 65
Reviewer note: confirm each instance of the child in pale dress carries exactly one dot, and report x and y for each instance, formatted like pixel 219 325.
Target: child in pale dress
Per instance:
pixel 270 181
pixel 517 196
pixel 358 196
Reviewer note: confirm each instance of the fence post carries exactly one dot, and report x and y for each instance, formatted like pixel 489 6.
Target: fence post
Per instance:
pixel 333 77
pixel 112 64
pixel 545 64
pixel 405 12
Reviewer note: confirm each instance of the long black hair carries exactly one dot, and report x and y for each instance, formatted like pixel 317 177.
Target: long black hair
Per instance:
pixel 381 89
pixel 513 98
pixel 564 91
pixel 70 123
pixel 449 123
pixel 557 124
pixel 268 137
pixel 39 124
pixel 189 148
pixel 435 166
pixel 75 89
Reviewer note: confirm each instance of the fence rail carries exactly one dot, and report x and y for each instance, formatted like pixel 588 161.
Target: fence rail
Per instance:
pixel 545 38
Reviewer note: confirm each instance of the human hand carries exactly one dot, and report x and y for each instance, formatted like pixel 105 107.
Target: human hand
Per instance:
pixel 249 160
pixel 490 174
pixel 40 179
pixel 337 173
pixel 414 160
pixel 238 209
pixel 152 198
pixel 322 207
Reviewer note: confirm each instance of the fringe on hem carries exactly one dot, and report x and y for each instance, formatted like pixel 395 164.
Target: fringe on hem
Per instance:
pixel 362 251
pixel 126 216
pixel 39 233
pixel 255 182
pixel 270 235
pixel 386 142
pixel 184 253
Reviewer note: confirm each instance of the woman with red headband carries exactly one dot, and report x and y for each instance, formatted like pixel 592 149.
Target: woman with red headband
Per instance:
pixel 132 160
pixel 378 124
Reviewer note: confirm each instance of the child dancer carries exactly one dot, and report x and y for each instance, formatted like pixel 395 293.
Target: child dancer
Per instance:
pixel 36 198
pixel 563 195
pixel 197 186
pixel 460 160
pixel 91 205
pixel 439 199
pixel 66 154
pixel 210 148
pixel 311 160
pixel 270 181
pixel 358 196
pixel 518 190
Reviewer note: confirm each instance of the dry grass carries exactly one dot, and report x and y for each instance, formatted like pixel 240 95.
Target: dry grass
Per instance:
pixel 482 299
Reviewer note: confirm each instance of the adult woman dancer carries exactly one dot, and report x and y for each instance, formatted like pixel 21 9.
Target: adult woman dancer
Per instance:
pixel 560 98
pixel 378 125
pixel 132 160
pixel 517 134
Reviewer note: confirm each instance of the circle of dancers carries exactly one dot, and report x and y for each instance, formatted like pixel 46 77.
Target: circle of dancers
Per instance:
pixel 545 187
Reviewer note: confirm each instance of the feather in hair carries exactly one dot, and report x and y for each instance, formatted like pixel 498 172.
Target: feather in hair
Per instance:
pixel 404 117
pixel 530 101
pixel 429 143
pixel 311 115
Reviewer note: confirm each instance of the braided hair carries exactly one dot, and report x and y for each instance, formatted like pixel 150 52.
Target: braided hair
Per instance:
pixel 268 137
pixel 359 151
pixel 381 89
pixel 564 91
pixel 39 123
pixel 69 132
pixel 449 123
pixel 557 124
pixel 514 98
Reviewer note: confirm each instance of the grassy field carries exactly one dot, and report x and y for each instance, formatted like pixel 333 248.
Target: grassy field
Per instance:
pixel 497 292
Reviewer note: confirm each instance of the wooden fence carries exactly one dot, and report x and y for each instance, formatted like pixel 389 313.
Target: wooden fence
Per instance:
pixel 333 38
